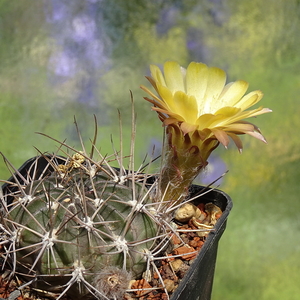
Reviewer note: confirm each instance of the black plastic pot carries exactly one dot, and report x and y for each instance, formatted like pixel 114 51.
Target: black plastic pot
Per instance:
pixel 198 281
pixel 37 167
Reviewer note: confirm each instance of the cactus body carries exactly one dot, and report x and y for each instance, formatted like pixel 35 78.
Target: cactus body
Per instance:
pixel 70 225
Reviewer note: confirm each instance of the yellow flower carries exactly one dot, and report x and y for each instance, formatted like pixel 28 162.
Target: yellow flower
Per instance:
pixel 198 99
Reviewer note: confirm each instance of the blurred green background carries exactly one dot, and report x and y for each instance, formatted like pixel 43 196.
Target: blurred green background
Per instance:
pixel 60 59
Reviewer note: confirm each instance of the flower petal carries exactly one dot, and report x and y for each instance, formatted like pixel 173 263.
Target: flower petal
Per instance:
pixel 221 136
pixel 257 135
pixel 157 75
pixel 215 85
pixel 249 100
pixel 186 127
pixel 239 127
pixel 228 111
pixel 196 80
pixel 236 140
pixel 233 92
pixel 209 121
pixel 167 97
pixel 169 121
pixel 174 76
pixel 158 102
pixel 185 106
pixel 249 113
pixel 169 114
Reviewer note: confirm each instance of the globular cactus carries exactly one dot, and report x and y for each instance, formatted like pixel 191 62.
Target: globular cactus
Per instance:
pixel 69 229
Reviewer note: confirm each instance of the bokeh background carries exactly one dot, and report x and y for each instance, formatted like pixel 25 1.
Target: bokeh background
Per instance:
pixel 60 59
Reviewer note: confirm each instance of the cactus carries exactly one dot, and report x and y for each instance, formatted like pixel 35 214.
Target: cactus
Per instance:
pixel 76 226
pixel 75 221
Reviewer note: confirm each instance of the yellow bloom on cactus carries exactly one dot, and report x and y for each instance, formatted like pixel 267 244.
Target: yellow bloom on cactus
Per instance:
pixel 199 111
pixel 198 99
